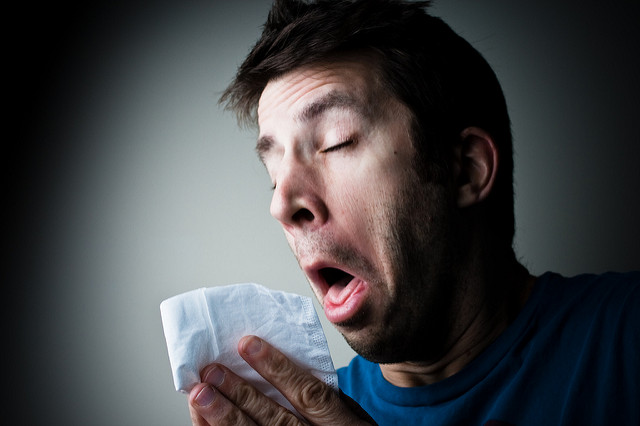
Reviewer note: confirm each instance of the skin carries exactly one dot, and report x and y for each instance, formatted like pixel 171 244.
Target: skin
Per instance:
pixel 335 213
pixel 423 300
pixel 225 399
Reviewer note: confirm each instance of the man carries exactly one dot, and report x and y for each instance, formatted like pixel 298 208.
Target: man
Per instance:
pixel 387 140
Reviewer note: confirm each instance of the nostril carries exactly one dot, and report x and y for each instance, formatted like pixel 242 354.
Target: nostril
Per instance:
pixel 303 215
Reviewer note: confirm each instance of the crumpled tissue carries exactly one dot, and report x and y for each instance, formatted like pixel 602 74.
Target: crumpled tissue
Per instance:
pixel 204 326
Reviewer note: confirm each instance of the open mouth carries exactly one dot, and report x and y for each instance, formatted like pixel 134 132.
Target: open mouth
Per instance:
pixel 343 294
pixel 335 277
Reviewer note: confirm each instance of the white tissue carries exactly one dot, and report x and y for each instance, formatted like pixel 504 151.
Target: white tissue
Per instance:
pixel 204 326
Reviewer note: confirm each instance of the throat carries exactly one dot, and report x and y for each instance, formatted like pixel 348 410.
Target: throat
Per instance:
pixel 338 282
pixel 335 277
pixel 480 332
pixel 410 374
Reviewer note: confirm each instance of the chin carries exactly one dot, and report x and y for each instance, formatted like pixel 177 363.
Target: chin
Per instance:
pixel 378 346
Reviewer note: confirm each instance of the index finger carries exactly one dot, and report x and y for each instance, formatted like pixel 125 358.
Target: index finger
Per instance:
pixel 311 397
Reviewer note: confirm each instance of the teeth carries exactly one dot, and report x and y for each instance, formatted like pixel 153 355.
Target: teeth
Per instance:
pixel 335 276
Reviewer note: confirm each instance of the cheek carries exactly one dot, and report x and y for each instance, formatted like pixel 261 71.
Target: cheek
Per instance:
pixel 349 202
pixel 364 207
pixel 364 195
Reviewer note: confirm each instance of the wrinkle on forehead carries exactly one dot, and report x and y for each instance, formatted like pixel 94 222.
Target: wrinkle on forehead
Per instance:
pixel 356 79
pixel 308 93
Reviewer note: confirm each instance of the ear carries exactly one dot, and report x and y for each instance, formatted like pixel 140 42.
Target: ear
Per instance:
pixel 475 166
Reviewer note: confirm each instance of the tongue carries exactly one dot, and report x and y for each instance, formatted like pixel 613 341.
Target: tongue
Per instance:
pixel 340 291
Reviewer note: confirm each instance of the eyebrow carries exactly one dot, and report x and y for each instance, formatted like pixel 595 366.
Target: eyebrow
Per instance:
pixel 329 101
pixel 263 146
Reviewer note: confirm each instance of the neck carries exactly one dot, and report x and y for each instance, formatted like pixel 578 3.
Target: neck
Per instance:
pixel 486 309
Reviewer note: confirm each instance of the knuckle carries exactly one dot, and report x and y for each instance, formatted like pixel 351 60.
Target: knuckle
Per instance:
pixel 315 397
pixel 284 417
pixel 279 368
pixel 243 394
pixel 232 417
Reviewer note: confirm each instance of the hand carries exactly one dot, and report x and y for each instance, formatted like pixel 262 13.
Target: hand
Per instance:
pixel 223 398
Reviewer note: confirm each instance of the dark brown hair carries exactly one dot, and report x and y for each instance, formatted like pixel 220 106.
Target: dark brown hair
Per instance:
pixel 440 77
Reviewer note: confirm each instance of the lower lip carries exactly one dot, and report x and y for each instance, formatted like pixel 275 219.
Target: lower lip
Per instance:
pixel 343 305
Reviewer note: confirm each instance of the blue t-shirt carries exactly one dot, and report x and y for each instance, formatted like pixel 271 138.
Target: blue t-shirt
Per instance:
pixel 571 357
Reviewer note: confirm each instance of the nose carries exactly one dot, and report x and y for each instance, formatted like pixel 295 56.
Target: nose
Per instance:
pixel 297 199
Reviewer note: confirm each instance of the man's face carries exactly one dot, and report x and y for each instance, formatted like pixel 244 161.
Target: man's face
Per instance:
pixel 368 231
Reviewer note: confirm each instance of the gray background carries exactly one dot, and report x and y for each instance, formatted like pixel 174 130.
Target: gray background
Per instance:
pixel 126 184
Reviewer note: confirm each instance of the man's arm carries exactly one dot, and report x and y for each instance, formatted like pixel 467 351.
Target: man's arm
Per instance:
pixel 223 398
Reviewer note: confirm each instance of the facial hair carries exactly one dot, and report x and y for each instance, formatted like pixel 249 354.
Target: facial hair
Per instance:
pixel 414 323
pixel 415 228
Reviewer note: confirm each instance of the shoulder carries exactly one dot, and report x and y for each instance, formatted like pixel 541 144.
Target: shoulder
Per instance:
pixel 587 291
pixel 599 311
pixel 624 279
pixel 588 343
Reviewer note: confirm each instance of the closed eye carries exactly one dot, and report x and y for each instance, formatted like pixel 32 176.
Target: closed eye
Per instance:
pixel 338 146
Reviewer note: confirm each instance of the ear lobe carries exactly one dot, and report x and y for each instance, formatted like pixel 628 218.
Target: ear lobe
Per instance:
pixel 476 164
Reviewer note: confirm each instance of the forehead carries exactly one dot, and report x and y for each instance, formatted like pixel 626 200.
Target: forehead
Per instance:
pixel 352 83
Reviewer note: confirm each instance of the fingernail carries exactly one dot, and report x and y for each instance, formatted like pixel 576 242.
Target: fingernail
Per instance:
pixel 252 345
pixel 215 376
pixel 205 397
